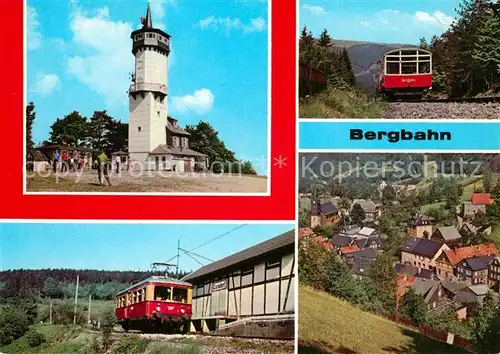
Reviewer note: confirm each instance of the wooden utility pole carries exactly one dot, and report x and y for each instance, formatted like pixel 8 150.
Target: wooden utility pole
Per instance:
pixel 178 255
pixel 76 299
pixel 90 303
pixel 50 313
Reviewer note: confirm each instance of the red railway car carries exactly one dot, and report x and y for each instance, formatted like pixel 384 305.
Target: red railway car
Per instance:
pixel 405 72
pixel 156 304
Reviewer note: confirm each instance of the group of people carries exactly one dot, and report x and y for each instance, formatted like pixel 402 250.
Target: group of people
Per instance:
pixel 76 161
pixel 67 161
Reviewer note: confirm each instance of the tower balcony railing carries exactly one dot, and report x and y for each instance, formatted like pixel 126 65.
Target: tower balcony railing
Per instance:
pixel 137 87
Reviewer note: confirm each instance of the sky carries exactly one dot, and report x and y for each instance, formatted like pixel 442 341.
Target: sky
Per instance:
pixel 397 21
pixel 123 246
pixel 79 58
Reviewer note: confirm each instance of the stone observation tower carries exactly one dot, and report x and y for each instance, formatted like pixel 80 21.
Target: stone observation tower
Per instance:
pixel 155 139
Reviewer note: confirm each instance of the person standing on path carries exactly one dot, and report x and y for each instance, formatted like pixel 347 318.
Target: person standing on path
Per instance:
pixel 102 168
pixel 57 156
pixel 118 162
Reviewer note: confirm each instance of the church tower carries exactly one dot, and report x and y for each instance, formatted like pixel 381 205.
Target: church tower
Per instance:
pixel 148 91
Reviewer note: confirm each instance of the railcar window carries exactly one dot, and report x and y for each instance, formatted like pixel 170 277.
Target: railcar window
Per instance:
pixel 163 293
pixel 424 68
pixel 392 68
pixel 180 295
pixel 408 68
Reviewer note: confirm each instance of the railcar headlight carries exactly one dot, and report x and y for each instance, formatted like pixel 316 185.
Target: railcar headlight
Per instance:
pixel 182 311
pixel 158 308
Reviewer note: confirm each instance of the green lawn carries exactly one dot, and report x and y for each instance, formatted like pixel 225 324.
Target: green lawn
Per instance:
pixel 334 103
pixel 330 325
pixel 426 207
pixel 495 235
pixel 97 307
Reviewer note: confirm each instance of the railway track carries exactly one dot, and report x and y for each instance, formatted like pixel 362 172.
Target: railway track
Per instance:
pixel 445 108
pixel 177 336
pixel 489 99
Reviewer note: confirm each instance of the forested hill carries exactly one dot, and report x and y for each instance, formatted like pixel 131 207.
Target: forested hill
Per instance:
pixel 60 283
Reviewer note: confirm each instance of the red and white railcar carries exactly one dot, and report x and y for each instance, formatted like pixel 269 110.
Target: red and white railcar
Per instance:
pixel 405 72
pixel 156 304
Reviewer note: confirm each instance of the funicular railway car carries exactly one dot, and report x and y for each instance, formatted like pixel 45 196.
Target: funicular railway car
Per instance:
pixel 156 304
pixel 405 72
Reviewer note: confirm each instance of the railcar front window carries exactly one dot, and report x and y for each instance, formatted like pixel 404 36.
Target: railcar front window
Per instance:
pixel 163 293
pixel 408 68
pixel 180 295
pixel 424 68
pixel 392 68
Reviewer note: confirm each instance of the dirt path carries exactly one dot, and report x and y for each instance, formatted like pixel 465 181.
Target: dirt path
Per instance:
pixel 149 181
pixel 442 110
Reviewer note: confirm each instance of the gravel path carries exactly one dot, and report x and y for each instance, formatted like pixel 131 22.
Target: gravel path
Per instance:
pixel 442 110
pixel 149 181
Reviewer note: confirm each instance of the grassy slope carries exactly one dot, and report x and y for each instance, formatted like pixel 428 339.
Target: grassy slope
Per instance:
pixel 340 104
pixel 329 325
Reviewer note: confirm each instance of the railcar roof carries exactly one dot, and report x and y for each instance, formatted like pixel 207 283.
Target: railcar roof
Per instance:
pixel 407 49
pixel 155 279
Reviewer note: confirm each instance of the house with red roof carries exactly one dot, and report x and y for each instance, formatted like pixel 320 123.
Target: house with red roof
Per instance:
pixel 307 233
pixel 481 199
pixel 448 260
pixel 478 204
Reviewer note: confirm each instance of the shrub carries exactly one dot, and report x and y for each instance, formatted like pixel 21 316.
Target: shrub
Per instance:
pixel 63 313
pixel 14 324
pixel 34 338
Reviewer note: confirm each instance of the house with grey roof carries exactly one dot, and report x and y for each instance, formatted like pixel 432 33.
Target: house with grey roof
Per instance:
pixel 372 210
pixel 448 235
pixel 431 291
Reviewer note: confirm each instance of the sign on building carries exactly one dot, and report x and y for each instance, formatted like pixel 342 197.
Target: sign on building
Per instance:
pixel 219 285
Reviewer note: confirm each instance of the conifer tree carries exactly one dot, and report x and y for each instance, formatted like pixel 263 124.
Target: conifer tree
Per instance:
pixel 324 38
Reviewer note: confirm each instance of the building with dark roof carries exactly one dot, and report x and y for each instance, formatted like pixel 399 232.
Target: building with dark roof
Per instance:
pixel 360 262
pixel 324 214
pixel 474 270
pixel 420 226
pixel 251 284
pixel 422 253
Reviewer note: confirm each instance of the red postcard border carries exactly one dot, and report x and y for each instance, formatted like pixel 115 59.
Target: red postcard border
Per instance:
pixel 280 205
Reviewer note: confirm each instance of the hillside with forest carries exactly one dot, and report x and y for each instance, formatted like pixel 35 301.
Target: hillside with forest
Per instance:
pixel 339 95
pixel 35 284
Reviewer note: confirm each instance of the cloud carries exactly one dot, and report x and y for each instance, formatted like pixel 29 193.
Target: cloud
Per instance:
pixel 255 25
pixel 45 84
pixel 158 12
pixel 437 18
pixel 315 10
pixel 200 102
pixel 34 35
pixel 106 61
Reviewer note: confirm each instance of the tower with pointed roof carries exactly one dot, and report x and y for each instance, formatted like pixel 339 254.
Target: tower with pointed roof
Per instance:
pixel 155 140
pixel 148 91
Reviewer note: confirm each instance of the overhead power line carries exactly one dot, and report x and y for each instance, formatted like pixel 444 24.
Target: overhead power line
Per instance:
pixel 211 240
